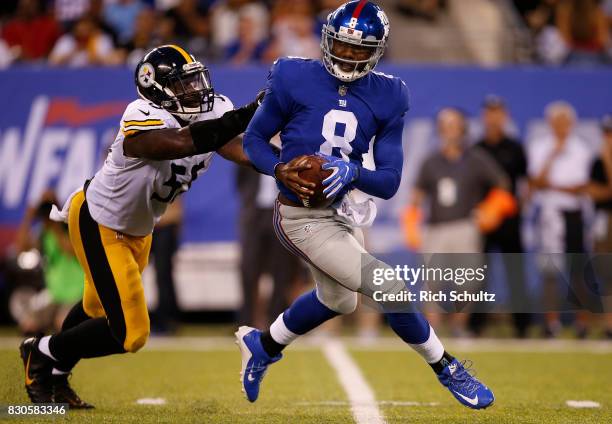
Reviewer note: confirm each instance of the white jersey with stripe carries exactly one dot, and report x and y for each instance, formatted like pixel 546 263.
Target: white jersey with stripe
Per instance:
pixel 129 195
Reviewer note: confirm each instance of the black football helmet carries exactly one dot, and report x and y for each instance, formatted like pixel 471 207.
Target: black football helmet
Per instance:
pixel 172 79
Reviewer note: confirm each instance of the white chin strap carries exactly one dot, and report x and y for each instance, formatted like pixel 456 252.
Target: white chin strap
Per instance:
pixel 347 76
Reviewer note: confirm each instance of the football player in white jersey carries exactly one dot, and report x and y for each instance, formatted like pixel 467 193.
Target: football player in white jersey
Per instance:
pixel 167 139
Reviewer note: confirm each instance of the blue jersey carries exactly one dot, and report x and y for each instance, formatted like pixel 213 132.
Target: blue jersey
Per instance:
pixel 316 112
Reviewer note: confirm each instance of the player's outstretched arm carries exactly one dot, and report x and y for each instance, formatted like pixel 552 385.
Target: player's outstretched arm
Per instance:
pixel 266 123
pixel 234 152
pixel 271 117
pixel 199 137
pixel 164 144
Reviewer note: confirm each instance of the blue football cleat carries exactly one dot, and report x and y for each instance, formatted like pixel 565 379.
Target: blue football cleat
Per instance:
pixel 466 388
pixel 255 361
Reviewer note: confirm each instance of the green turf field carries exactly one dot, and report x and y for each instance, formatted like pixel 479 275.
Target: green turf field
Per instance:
pixel 200 385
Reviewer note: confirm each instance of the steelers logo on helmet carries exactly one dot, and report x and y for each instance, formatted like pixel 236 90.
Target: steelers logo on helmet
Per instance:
pixel 146 75
pixel 172 79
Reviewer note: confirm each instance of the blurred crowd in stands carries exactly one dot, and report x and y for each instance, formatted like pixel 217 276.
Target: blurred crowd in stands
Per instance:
pixel 424 9
pixel 114 32
pixel 572 32
pixel 478 196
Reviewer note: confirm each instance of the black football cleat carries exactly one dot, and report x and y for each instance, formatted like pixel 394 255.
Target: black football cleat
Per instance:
pixel 38 382
pixel 63 393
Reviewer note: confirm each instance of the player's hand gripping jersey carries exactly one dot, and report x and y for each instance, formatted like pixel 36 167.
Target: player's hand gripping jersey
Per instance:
pixel 129 194
pixel 316 112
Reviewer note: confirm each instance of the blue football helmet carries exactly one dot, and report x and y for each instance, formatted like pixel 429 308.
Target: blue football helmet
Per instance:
pixel 360 25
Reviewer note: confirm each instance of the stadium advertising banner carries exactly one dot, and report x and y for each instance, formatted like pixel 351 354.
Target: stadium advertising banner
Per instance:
pixel 56 126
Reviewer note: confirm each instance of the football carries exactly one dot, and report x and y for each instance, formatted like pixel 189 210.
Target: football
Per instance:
pixel 316 175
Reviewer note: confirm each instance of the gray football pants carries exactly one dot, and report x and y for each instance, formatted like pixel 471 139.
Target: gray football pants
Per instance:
pixel 335 254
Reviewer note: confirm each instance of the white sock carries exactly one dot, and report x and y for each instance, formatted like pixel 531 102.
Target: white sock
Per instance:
pixel 43 346
pixel 280 333
pixel 55 371
pixel 432 350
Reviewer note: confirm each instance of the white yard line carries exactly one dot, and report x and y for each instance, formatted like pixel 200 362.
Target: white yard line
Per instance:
pixel 582 404
pixel 151 401
pixel 380 403
pixel 363 402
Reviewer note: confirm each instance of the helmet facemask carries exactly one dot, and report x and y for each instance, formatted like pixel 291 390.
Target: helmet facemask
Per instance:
pixel 366 53
pixel 189 92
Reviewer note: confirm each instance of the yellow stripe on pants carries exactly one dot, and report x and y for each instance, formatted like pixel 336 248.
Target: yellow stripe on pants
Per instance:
pixel 117 294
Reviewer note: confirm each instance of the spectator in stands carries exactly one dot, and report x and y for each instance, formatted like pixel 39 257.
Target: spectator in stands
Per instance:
pixel 247 47
pixel 425 9
pixel 32 33
pixel 85 45
pixel 538 14
pixel 68 12
pixel 558 162
pixel 148 32
pixel 96 13
pixel 62 272
pixel 540 17
pixel 509 155
pixel 583 26
pixel 121 16
pixel 225 21
pixel 189 23
pixel 462 186
pixel 293 31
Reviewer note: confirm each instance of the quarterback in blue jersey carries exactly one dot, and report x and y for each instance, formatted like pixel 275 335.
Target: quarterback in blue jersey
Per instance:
pixel 318 113
pixel 337 108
